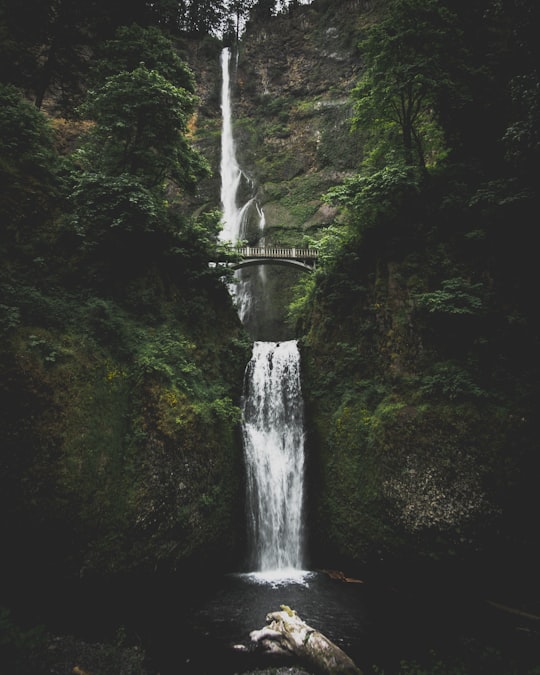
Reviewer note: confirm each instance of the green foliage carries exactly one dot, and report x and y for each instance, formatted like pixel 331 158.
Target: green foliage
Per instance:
pixel 105 204
pixel 276 106
pixel 141 120
pixel 134 46
pixel 378 197
pixel 26 137
pixel 204 16
pixel 196 243
pixel 110 326
pixel 168 357
pixel 452 382
pixel 522 137
pixel 330 244
pixel 45 46
pixel 28 171
pixel 22 650
pixel 456 296
pixel 136 147
pixel 303 292
pixel 408 56
pixel 350 501
pixel 10 317
pixel 122 354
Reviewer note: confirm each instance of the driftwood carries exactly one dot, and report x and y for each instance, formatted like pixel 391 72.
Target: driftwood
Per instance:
pixel 287 635
pixel 340 576
pixel 514 610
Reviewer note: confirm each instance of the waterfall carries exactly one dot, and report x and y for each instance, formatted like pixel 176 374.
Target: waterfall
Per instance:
pixel 230 171
pixel 236 217
pixel 273 434
pixel 272 406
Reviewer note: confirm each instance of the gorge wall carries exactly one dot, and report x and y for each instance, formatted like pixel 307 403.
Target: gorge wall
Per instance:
pixel 410 454
pixel 121 462
pixel 407 453
pixel 291 84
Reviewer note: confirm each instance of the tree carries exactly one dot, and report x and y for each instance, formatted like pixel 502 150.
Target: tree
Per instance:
pixel 136 148
pixel 45 42
pixel 29 182
pixel 522 136
pixel 263 9
pixel 407 57
pixel 170 14
pixel 140 125
pixel 240 10
pixel 134 45
pixel 204 16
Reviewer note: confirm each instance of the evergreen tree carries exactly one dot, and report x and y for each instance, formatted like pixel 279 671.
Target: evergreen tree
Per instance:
pixel 239 9
pixel 204 17
pixel 264 9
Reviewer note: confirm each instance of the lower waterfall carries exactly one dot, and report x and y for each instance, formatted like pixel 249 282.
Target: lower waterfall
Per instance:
pixel 273 434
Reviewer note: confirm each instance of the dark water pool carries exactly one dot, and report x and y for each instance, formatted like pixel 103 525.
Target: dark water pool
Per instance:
pixel 210 629
pixel 190 624
pixel 377 625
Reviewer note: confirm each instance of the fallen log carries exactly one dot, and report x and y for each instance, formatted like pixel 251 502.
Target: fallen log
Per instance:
pixel 514 610
pixel 340 576
pixel 285 634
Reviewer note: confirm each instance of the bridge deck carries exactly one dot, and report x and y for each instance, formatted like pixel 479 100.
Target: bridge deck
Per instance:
pixel 283 252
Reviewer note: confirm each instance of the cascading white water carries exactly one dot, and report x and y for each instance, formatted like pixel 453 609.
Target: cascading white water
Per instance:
pixel 231 174
pixel 273 433
pixel 273 425
pixel 235 216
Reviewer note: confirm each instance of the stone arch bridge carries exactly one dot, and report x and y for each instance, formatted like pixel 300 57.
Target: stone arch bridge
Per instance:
pixel 302 258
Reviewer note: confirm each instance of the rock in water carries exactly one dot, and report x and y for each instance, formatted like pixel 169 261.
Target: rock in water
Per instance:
pixel 285 634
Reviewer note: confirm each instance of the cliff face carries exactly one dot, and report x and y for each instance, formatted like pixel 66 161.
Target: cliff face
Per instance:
pixel 412 451
pixel 371 448
pixel 120 414
pixel 291 79
pixel 406 453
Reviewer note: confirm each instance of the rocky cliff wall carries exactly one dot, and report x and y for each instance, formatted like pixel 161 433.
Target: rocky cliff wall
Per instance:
pixel 291 82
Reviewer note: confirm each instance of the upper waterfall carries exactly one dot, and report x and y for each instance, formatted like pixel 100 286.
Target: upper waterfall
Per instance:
pixel 230 171
pixel 236 216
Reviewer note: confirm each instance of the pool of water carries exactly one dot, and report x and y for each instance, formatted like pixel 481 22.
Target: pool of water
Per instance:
pixel 215 630
pixel 377 625
pixel 193 623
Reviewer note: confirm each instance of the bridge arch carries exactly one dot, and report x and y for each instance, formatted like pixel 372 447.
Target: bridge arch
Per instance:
pixel 288 262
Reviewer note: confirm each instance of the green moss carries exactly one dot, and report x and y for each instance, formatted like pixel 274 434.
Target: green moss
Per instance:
pixel 122 431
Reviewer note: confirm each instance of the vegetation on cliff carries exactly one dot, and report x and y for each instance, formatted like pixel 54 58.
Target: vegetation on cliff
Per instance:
pixel 122 355
pixel 420 334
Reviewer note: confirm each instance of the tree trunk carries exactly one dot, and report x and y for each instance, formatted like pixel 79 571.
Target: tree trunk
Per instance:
pixel 287 635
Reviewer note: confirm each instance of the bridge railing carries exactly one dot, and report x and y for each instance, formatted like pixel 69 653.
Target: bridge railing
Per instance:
pixel 277 252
